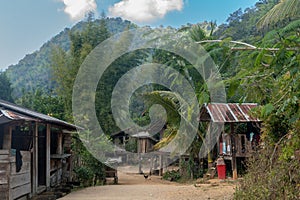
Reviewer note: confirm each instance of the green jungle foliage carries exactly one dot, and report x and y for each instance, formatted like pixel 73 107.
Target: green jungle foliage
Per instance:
pixel 268 75
pixel 42 102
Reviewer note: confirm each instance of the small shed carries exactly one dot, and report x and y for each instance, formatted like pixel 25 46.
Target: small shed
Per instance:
pixel 35 152
pixel 243 135
pixel 145 141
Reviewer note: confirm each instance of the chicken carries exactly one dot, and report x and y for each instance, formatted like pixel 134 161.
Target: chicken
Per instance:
pixel 146 176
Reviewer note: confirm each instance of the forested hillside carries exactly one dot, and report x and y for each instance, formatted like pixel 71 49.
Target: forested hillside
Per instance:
pixel 34 70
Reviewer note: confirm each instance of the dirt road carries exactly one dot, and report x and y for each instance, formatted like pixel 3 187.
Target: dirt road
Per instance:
pixel 136 187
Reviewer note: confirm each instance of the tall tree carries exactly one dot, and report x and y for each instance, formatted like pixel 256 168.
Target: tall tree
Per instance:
pixel 65 67
pixel 40 101
pixel 5 88
pixel 66 64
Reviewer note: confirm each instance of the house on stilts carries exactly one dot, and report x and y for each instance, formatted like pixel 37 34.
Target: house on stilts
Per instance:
pixel 241 134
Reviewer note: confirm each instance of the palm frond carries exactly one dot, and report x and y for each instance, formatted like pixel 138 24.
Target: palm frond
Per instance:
pixel 169 135
pixel 197 33
pixel 283 10
pixel 168 100
pixel 293 26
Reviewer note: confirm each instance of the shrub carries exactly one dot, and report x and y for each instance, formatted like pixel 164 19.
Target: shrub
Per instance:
pixel 84 175
pixel 271 175
pixel 173 175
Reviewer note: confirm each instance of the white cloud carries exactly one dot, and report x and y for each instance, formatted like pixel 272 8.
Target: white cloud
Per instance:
pixel 144 10
pixel 77 9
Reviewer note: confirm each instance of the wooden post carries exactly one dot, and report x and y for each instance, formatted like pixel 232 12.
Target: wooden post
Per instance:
pixel 59 149
pixel 209 153
pixel 70 168
pixel 35 159
pixel 48 144
pixel 161 165
pixel 124 142
pixel 233 153
pixel 140 164
pixel 139 155
pixel 151 164
pixel 7 138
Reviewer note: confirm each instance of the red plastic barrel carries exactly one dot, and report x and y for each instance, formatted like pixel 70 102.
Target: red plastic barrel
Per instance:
pixel 221 168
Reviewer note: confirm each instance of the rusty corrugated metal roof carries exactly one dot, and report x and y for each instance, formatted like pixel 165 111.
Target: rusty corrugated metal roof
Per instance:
pixel 10 115
pixel 228 112
pixel 15 111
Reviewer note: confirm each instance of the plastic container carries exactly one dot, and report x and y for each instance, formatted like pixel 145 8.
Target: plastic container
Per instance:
pixel 221 168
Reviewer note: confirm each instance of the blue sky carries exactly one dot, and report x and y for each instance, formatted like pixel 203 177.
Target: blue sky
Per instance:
pixel 26 24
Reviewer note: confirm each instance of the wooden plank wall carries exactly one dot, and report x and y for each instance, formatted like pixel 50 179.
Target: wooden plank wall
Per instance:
pixel 242 150
pixel 56 172
pixel 20 182
pixel 145 145
pixel 68 166
pixel 4 174
pixel 60 165
pixel 14 184
pixel 67 141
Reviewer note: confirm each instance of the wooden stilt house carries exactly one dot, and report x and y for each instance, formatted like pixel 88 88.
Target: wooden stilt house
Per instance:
pixel 35 152
pixel 241 134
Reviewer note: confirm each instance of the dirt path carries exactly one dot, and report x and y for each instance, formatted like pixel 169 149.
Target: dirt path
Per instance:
pixel 136 187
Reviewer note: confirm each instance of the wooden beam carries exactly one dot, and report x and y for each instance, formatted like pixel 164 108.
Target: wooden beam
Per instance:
pixel 233 153
pixel 234 42
pixel 260 49
pixel 48 144
pixel 247 47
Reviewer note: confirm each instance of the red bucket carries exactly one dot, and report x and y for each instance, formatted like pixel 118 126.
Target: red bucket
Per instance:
pixel 221 168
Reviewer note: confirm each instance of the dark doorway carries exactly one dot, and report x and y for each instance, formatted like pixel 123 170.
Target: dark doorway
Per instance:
pixel 1 136
pixel 42 156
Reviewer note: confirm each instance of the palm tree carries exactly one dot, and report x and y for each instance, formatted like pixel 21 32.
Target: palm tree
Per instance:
pixel 175 113
pixel 285 9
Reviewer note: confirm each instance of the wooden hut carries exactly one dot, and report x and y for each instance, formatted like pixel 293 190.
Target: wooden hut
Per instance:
pixel 243 134
pixel 145 142
pixel 35 152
